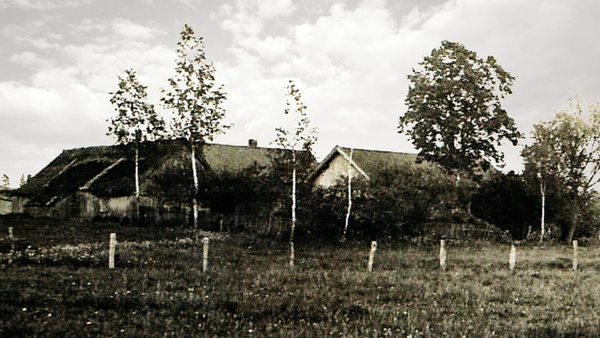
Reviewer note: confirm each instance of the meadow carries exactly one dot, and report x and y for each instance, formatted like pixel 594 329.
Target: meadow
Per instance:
pixel 55 281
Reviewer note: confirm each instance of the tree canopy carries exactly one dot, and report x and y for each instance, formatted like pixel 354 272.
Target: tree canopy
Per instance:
pixel 194 97
pixel 136 119
pixel 565 154
pixel 454 114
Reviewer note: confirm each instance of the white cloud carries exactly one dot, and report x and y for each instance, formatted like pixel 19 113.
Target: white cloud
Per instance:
pixel 16 99
pixel 40 4
pixel 274 8
pixel 133 31
pixel 87 26
pixel 33 60
pixel 243 25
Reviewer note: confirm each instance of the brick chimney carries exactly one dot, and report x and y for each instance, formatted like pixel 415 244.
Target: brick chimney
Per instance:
pixel 252 143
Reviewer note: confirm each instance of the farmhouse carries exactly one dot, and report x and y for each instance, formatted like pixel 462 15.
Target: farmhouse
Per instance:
pixel 363 164
pixel 5 202
pixel 99 182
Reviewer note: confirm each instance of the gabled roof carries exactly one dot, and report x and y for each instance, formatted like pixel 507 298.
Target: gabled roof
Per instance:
pixel 108 170
pixel 366 162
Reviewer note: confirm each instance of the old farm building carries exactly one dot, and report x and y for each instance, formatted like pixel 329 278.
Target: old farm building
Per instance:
pixel 99 182
pixel 363 164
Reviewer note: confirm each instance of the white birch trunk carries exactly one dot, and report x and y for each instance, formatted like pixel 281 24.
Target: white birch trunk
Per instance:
pixel 543 192
pixel 137 184
pixel 349 196
pixel 195 175
pixel 137 173
pixel 293 207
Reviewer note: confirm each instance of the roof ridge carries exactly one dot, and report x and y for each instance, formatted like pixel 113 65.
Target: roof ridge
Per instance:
pixel 89 183
pixel 378 151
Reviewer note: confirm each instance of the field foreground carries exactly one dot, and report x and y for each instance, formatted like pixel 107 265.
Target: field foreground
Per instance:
pixel 55 281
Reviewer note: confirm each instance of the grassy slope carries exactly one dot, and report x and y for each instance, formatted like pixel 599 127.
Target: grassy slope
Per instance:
pixel 158 287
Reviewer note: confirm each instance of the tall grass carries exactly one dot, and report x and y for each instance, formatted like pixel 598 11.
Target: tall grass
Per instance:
pixel 158 288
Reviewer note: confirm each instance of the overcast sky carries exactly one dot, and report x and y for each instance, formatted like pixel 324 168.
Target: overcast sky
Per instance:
pixel 350 59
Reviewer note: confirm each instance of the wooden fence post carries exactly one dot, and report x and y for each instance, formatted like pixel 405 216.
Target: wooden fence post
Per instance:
pixel 372 255
pixel 205 254
pixel 443 254
pixel 11 236
pixel 575 262
pixel 111 250
pixel 513 258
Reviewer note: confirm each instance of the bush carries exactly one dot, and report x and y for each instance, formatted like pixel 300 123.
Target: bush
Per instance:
pixel 395 201
pixel 507 202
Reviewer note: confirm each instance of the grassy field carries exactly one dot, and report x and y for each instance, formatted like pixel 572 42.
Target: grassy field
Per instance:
pixel 56 282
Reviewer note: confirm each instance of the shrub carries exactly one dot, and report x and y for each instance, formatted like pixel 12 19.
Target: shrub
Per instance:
pixel 396 201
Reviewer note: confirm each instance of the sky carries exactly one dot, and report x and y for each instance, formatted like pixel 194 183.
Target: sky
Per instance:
pixel 59 59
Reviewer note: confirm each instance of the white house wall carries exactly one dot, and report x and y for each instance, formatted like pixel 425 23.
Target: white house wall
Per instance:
pixel 337 169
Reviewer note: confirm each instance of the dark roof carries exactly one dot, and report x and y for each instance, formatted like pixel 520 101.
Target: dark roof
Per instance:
pixel 108 170
pixel 373 161
pixel 369 162
pixel 65 161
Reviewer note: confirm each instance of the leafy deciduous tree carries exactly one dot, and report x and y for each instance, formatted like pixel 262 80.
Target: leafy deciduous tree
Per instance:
pixel 298 135
pixel 195 99
pixel 566 151
pixel 136 121
pixel 454 113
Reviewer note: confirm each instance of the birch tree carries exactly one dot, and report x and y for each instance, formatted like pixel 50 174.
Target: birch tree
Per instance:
pixel 566 150
pixel 195 100
pixel 136 121
pixel 349 210
pixel 296 136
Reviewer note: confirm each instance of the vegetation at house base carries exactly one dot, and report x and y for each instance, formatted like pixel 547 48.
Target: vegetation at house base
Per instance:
pixel 249 192
pixel 404 200
pixel 58 284
pixel 565 160
pixel 509 202
pixel 455 117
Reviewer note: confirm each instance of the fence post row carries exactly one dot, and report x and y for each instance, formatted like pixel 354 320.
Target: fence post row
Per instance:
pixel 205 254
pixel 111 250
pixel 575 262
pixel 513 257
pixel 372 256
pixel 443 254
